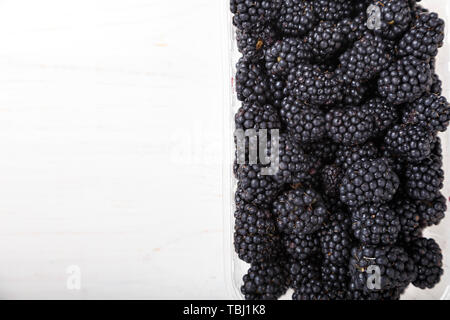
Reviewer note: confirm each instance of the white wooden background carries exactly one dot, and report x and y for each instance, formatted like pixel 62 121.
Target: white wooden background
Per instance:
pixel 111 149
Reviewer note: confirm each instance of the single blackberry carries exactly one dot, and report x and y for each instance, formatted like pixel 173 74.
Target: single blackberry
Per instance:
pixel 405 80
pixel 331 178
pixel 253 14
pixel 253 116
pixel 254 187
pixel 383 113
pixel 302 271
pixel 395 17
pixel 375 224
pixel 300 211
pixel 368 181
pixel 396 269
pixel 312 85
pixel 424 38
pixel 277 90
pixel 305 123
pixel 432 212
pixel 411 143
pixel 436 86
pixel 424 180
pixel 325 40
pixel 253 44
pixel 335 239
pixel 346 156
pixel 297 17
pixel 431 111
pixel 285 54
pixel 300 247
pixel 364 60
pixel 332 10
pixel 427 256
pixel 251 82
pixel 409 216
pixel 255 235
pixel 265 281
pixel 350 126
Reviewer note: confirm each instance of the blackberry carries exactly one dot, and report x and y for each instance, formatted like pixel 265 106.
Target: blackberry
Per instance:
pixel 324 151
pixel 346 156
pixel 375 224
pixel 424 38
pixel 436 86
pixel 253 116
pixel 254 187
pixel 285 54
pixel 397 270
pixel 331 179
pixel 395 18
pixel 409 216
pixel 305 123
pixel 354 28
pixel 383 113
pixel 302 271
pixel 265 281
pixel 277 89
pixel 300 247
pixel 332 10
pixel 300 211
pixel 355 93
pixel 431 111
pixel 360 6
pixel 253 14
pixel 364 60
pixel 325 40
pixel 411 143
pixel 349 126
pixel 405 80
pixel 427 256
pixel 335 239
pixel 375 295
pixel 335 280
pixel 432 212
pixel 255 235
pixel 368 181
pixel 424 180
pixel 312 85
pixel 253 44
pixel 251 82
pixel 297 17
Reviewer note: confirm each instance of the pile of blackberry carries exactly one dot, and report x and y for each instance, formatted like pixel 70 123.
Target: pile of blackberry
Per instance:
pixel 345 96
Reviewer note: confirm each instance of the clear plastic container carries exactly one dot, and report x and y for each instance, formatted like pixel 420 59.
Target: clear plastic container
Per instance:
pixel 235 268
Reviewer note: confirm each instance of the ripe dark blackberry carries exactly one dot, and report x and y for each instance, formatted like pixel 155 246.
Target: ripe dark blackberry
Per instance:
pixel 265 281
pixel 302 271
pixel 397 270
pixel 300 247
pixel 255 235
pixel 335 239
pixel 332 10
pixel 349 126
pixel 325 40
pixel 364 60
pixel 409 216
pixel 297 17
pixel 432 212
pixel 395 18
pixel 431 111
pixel 409 142
pixel 436 86
pixel 375 295
pixel 252 44
pixel 375 224
pixel 254 187
pixel 354 28
pixel 405 80
pixel 285 54
pixel 346 156
pixel 305 123
pixel 368 181
pixel 383 113
pixel 424 180
pixel 424 38
pixel 324 151
pixel 335 280
pixel 331 179
pixel 355 93
pixel 277 89
pixel 300 211
pixel 427 256
pixel 251 82
pixel 253 14
pixel 360 6
pixel 312 85
pixel 253 116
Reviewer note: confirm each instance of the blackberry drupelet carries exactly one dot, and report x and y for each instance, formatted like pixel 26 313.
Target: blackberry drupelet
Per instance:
pixel 312 85
pixel 300 247
pixel 427 256
pixel 253 116
pixel 251 82
pixel 349 126
pixel 331 179
pixel 431 111
pixel 409 142
pixel 252 44
pixel 346 156
pixel 432 212
pixel 405 80
pixel 396 16
pixel 297 17
pixel 368 181
pixel 335 239
pixel 253 14
pixel 325 40
pixel 265 281
pixel 409 216
pixel 397 270
pixel 424 38
pixel 383 113
pixel 424 180
pixel 305 123
pixel 375 224
pixel 255 235
pixel 300 211
pixel 285 54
